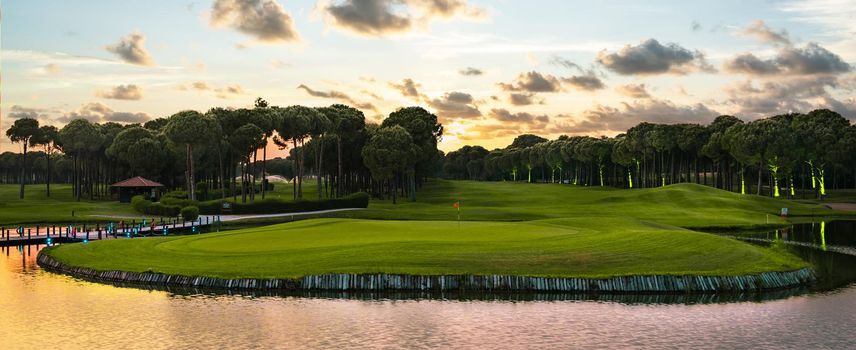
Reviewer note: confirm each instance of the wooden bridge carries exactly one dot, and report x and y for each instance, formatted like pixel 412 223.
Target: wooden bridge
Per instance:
pixel 50 234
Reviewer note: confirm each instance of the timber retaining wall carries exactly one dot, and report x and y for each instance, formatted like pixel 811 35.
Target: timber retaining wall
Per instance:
pixel 389 282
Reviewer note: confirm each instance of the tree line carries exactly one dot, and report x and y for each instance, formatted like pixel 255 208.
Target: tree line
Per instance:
pixel 223 152
pixel 782 153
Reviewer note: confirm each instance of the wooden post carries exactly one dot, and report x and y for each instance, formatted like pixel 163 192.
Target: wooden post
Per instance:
pixel 28 234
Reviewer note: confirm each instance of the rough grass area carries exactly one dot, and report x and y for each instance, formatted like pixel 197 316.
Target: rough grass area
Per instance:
pixel 37 208
pixel 580 247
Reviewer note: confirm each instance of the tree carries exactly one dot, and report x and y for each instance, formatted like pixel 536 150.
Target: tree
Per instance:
pixel 526 140
pixel 389 153
pixel 79 138
pixel 319 125
pixel 191 128
pixel 425 131
pixel 346 123
pixel 47 138
pixel 818 133
pixel 24 131
pixel 294 123
pixel 245 140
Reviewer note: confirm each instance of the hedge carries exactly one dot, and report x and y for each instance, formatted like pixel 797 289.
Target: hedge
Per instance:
pixel 171 206
pixel 190 213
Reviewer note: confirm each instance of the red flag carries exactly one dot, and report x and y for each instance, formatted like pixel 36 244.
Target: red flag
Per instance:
pixel 457 205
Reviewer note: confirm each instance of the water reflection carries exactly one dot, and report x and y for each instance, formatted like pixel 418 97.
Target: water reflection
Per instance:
pixel 43 310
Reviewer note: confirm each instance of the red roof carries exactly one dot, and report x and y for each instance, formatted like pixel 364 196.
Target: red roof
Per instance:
pixel 138 181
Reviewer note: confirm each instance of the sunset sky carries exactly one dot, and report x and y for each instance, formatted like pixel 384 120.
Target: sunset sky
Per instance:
pixel 489 69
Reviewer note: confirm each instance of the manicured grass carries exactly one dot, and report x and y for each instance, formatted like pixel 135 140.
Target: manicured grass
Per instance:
pixel 37 208
pixel 578 247
pixel 684 205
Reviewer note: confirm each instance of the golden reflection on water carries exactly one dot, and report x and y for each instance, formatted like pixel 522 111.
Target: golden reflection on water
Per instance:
pixel 40 310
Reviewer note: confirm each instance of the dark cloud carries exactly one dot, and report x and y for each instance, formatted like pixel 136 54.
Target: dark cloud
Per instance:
pixel 337 95
pixel 812 59
pixel 132 49
pixel 585 82
pixel 123 92
pixel 408 88
pixel 633 90
pixel 533 82
pixel 504 115
pixel 760 31
pixel 97 112
pixel 455 105
pixel 265 20
pixel 777 97
pixel 470 71
pixel 748 63
pixel 523 99
pixel 383 17
pixel 651 57
pixel 604 119
pixel 20 112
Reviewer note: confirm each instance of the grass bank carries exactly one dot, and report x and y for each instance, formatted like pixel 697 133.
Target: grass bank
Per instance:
pixel 594 247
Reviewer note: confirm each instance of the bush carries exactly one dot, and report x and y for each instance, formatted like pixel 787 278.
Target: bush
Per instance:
pixel 190 213
pixel 140 203
pixel 275 206
pixel 158 208
pixel 175 194
pixel 178 202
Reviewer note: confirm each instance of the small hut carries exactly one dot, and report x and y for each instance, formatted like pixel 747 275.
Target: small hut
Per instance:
pixel 137 186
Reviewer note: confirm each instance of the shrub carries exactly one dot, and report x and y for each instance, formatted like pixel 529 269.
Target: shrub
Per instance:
pixel 178 202
pixel 190 213
pixel 140 203
pixel 158 208
pixel 175 194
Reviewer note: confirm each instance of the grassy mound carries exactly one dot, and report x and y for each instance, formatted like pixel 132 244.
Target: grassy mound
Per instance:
pixel 683 205
pixel 578 247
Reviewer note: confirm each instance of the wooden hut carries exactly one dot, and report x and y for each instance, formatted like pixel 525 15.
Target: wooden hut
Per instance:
pixel 137 186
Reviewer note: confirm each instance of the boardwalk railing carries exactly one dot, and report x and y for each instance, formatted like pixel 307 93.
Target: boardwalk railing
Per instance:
pixel 53 233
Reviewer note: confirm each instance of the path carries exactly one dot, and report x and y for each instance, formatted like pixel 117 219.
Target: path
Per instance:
pixel 841 206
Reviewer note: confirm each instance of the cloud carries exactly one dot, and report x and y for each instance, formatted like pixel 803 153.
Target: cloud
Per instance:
pixel 470 71
pixel 603 119
pixel 377 18
pixel 760 31
pixel 585 82
pixel 695 26
pixel 533 82
pixel 20 112
pixel 798 94
pixel 265 20
pixel 650 57
pixel 97 112
pixel 523 99
pixel 200 85
pixel 503 115
pixel 280 64
pixel 230 91
pixel 633 90
pixel 455 105
pixel 337 95
pixel 122 92
pixel 505 123
pixel 408 88
pixel 812 59
pixel 131 49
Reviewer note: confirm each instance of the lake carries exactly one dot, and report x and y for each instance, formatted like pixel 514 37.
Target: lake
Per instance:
pixel 44 310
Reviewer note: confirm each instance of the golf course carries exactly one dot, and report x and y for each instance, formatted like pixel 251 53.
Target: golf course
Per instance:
pixel 516 229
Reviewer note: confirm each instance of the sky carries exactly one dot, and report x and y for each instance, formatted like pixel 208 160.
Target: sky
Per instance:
pixel 490 70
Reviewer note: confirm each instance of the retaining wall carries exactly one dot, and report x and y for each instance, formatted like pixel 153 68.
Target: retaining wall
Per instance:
pixel 388 282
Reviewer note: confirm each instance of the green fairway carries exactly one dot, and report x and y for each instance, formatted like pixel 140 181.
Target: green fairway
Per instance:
pixel 684 205
pixel 580 247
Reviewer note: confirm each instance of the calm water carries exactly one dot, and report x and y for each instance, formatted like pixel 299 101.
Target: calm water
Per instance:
pixel 47 311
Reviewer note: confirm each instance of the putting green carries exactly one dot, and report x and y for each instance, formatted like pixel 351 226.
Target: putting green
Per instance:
pixel 580 247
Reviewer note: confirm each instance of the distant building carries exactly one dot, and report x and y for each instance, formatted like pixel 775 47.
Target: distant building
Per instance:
pixel 137 186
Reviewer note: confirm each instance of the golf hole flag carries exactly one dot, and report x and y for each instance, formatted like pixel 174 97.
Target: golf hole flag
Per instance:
pixel 457 205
